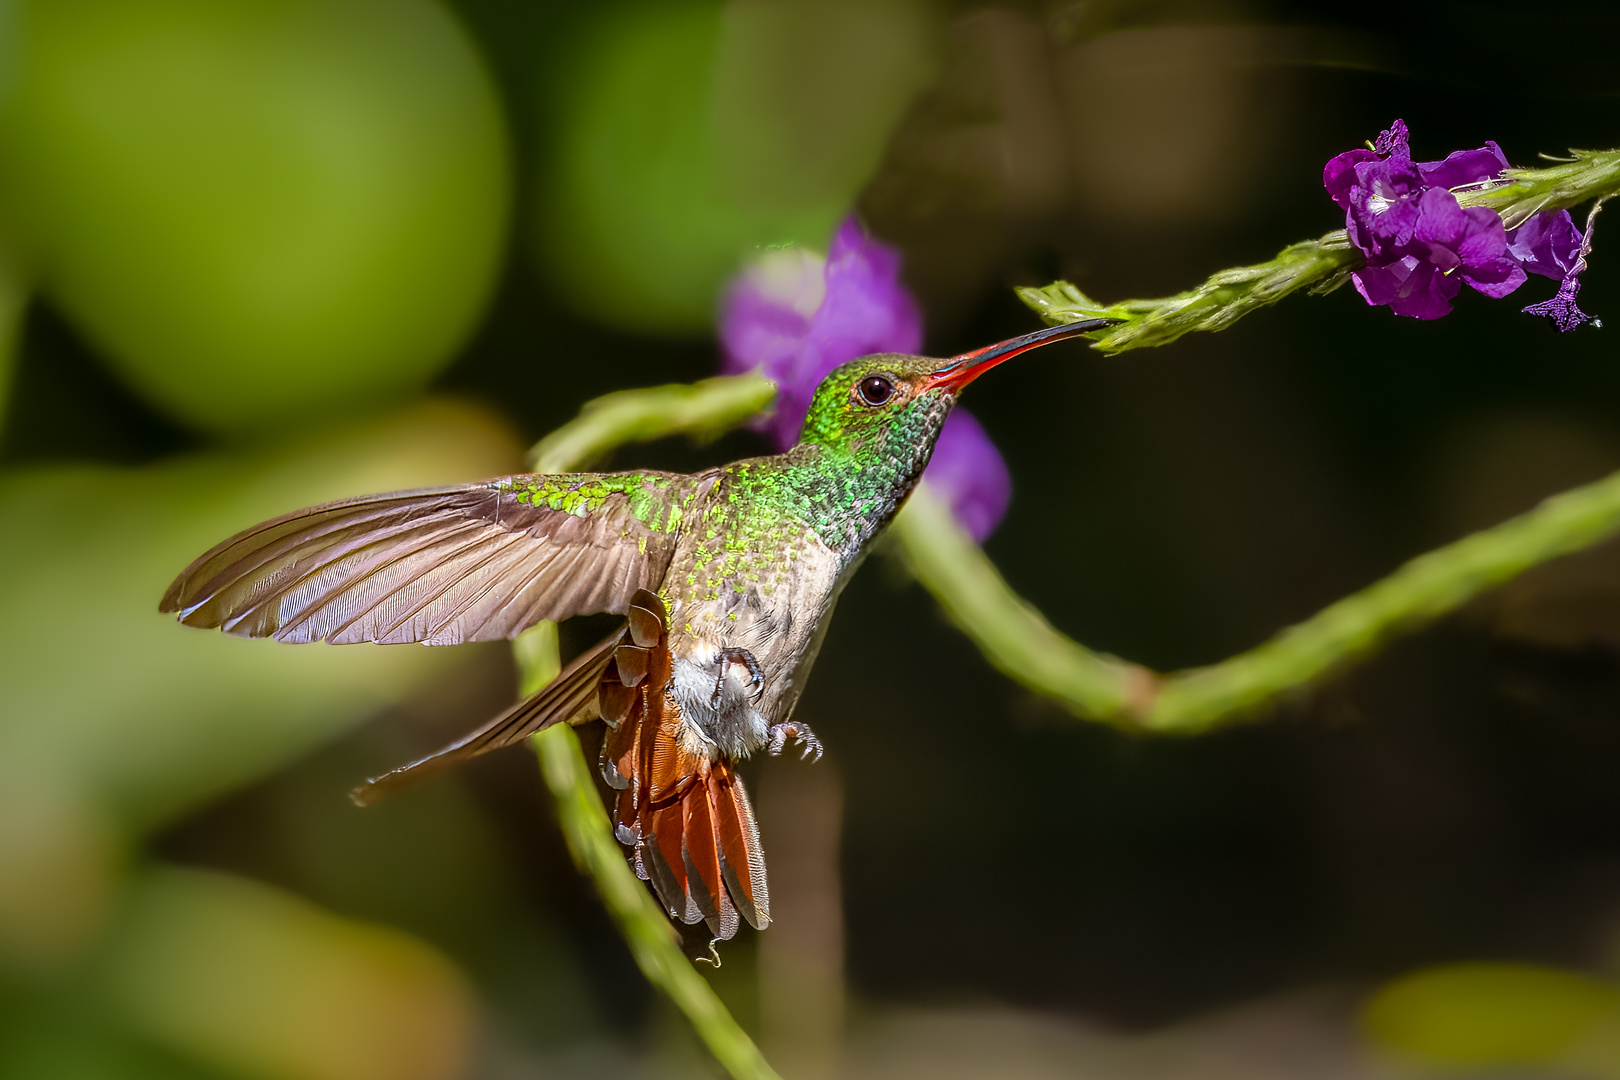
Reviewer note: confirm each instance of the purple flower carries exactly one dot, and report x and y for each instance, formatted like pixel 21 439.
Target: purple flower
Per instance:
pixel 1421 245
pixel 794 317
pixel 1548 247
pixel 968 470
pixel 1547 244
pixel 1561 308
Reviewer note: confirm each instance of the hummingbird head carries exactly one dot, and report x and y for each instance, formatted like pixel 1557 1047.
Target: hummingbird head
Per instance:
pixel 891 407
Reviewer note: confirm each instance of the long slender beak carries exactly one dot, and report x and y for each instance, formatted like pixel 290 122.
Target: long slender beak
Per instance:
pixel 958 371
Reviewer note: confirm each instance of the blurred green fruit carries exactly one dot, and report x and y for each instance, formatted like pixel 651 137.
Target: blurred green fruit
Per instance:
pixel 258 209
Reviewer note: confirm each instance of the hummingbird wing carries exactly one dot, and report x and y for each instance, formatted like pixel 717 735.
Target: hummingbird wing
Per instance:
pixel 570 697
pixel 440 566
pixel 584 690
pixel 685 813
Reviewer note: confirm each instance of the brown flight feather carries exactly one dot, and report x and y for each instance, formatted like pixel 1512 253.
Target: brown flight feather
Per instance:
pixel 570 697
pixel 438 566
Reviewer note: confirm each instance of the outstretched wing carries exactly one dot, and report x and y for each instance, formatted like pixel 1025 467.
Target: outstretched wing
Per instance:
pixel 477 562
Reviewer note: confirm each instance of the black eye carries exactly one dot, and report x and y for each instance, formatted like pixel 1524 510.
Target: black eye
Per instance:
pixel 875 390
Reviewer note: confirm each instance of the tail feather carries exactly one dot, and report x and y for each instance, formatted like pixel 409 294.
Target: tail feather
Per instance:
pixel 686 817
pixel 662 853
pixel 701 854
pixel 742 861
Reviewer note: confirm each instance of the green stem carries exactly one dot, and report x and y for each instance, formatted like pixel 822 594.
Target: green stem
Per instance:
pixel 1317 265
pixel 644 927
pixel 1020 641
pixel 1013 636
pixel 705 408
pixel 1593 174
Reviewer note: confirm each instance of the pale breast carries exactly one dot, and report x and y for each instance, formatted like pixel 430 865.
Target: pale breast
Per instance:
pixel 773 603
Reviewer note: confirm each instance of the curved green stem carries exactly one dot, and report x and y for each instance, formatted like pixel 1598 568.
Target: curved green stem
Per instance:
pixel 1019 640
pixel 705 408
pixel 644 927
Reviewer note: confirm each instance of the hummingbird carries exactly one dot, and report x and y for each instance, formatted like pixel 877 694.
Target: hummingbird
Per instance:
pixel 727 580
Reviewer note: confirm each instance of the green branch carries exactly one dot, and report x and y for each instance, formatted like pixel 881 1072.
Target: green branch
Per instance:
pixel 705 409
pixel 644 926
pixel 1591 174
pixel 1317 265
pixel 1019 640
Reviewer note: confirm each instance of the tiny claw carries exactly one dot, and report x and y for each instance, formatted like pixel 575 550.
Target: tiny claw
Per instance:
pixel 735 655
pixel 793 729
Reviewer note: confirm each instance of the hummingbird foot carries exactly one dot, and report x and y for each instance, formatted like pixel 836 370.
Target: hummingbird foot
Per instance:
pixel 723 661
pixel 793 729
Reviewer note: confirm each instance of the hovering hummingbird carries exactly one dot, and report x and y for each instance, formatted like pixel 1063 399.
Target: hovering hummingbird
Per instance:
pixel 727 580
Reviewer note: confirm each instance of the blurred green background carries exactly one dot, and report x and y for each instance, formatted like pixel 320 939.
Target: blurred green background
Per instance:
pixel 262 254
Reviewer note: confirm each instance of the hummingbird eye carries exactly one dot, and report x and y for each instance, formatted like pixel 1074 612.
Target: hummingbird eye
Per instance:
pixel 875 390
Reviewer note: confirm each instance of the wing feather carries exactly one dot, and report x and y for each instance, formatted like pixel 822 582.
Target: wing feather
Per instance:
pixel 476 562
pixel 562 700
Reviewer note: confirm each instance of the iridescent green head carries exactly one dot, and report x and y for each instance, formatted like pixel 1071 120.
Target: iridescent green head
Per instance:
pixel 891 407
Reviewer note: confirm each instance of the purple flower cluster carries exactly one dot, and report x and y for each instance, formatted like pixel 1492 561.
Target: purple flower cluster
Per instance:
pixel 1422 246
pixel 794 317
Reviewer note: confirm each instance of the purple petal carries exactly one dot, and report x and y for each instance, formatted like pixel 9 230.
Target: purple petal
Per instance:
pixel 1410 286
pixel 1561 309
pixel 1496 278
pixel 1465 167
pixel 795 317
pixel 1393 141
pixel 1483 240
pixel 766 312
pixel 867 309
pixel 1547 244
pixel 1458 239
pixel 1427 294
pixel 969 472
pixel 1475 234
pixel 1389 178
pixel 1339 174
pixel 1380 285
pixel 1380 224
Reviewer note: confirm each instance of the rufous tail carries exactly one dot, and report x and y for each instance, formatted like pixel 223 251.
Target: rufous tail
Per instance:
pixel 686 817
